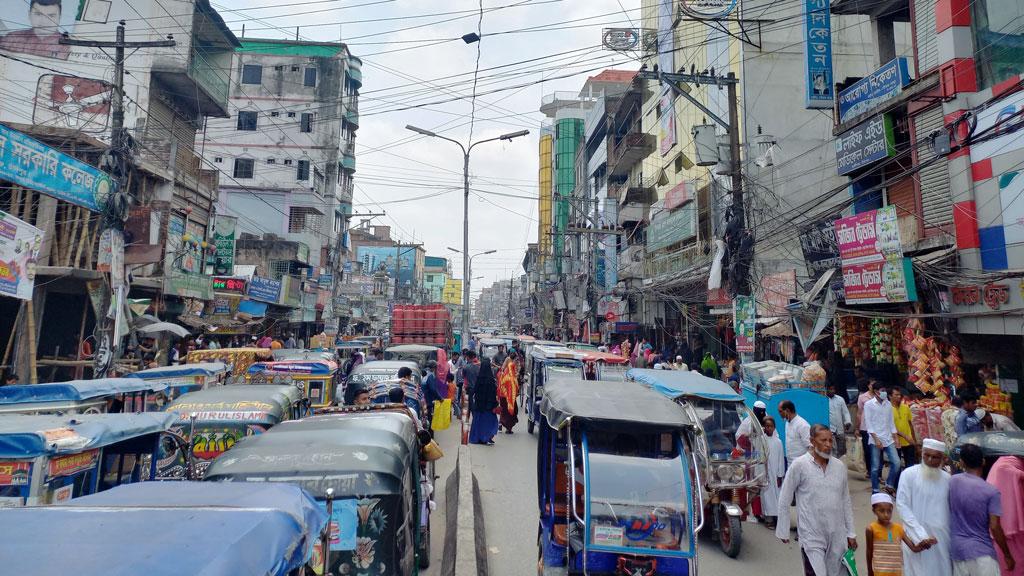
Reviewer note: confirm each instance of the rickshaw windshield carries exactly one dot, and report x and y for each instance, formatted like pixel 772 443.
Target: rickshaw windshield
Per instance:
pixel 720 421
pixel 555 371
pixel 637 502
pixel 612 372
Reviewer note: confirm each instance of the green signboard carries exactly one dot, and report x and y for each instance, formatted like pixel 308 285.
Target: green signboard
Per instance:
pixel 667 228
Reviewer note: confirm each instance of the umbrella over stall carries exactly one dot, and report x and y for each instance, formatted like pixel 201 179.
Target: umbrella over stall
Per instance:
pixel 164 327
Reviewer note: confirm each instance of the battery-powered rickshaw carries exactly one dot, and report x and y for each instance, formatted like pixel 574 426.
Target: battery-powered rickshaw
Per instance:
pixel 732 465
pixel 993 444
pixel 604 366
pixel 616 482
pixel 46 459
pixel 418 353
pixel 317 380
pixel 369 458
pixel 80 396
pixel 237 359
pixel 181 379
pixel 215 419
pixel 548 363
pixel 366 376
pixel 167 529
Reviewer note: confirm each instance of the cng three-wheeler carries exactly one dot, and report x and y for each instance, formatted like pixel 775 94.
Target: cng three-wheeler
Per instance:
pixel 617 482
pixel 548 363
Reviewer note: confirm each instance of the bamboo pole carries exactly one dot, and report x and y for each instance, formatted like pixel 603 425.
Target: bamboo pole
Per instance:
pixel 15 209
pixel 30 310
pixel 14 331
pixel 82 239
pixel 26 206
pixel 92 244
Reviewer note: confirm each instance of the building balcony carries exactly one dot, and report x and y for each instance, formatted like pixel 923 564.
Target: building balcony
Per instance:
pixel 352 116
pixel 355 70
pixel 348 162
pixel 628 150
pixel 636 190
pixel 898 10
pixel 686 258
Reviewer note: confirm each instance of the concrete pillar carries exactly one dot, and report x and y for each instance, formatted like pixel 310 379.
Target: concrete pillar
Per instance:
pixel 885 39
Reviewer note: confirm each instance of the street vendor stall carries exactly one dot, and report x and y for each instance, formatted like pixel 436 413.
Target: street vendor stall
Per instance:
pixel 773 382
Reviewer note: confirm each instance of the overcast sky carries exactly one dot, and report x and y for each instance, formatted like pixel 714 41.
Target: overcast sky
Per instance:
pixel 410 58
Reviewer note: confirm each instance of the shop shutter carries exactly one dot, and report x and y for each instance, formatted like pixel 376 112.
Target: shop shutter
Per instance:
pixel 926 38
pixel 936 203
pixel 158 133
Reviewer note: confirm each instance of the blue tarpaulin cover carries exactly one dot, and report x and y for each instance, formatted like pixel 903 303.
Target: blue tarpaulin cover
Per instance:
pixel 28 436
pixel 200 369
pixel 677 383
pixel 75 390
pixel 168 529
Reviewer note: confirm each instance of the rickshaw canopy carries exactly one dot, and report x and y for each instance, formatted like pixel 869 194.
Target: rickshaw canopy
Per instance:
pixel 556 352
pixel 208 369
pixel 30 436
pixel 606 357
pixel 230 530
pixel 610 403
pixel 310 367
pixel 549 343
pixel 681 383
pixel 366 453
pixel 75 390
pixel 993 444
pixel 237 402
pixel 385 369
pixel 299 354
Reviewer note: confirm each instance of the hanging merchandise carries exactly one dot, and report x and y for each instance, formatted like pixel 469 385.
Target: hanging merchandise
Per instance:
pixel 881 340
pixel 954 370
pixel 853 336
pixel 925 368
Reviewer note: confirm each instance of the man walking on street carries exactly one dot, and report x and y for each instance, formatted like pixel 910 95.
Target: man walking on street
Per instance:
pixel 881 431
pixel 867 392
pixel 798 432
pixel 974 511
pixel 907 440
pixel 922 500
pixel 824 513
pixel 838 421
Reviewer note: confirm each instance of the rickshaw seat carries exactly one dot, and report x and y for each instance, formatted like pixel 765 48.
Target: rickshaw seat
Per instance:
pixel 559 532
pixel 561 479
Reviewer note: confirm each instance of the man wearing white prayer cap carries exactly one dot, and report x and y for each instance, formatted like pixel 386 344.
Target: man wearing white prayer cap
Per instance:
pixel 923 502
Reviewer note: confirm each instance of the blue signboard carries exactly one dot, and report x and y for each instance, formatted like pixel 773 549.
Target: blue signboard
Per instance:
pixel 865 144
pixel 819 90
pixel 264 289
pixel 376 257
pixel 32 164
pixel 326 279
pixel 868 92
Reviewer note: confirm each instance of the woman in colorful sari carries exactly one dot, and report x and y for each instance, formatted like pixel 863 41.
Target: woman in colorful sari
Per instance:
pixel 508 391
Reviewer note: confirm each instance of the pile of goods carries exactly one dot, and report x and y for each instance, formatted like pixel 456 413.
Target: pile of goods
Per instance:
pixel 852 336
pixel 926 418
pixel 774 377
pixel 994 399
pixel 814 378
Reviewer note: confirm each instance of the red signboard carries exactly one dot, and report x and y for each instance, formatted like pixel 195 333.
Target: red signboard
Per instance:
pixel 73 463
pixel 223 284
pixel 719 297
pixel 14 473
pixel 610 316
pixel 679 195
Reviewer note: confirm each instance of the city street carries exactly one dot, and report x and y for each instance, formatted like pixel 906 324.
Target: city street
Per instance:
pixel 506 473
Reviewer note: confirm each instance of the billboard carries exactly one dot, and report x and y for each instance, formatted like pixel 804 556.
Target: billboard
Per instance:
pixel 375 258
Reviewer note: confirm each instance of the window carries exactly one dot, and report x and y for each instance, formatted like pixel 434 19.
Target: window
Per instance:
pixel 218 159
pixel 288 162
pixel 244 167
pixel 291 114
pixel 304 219
pixel 247 120
pixel 310 77
pixel 279 68
pixel 252 74
pixel 306 122
pixel 279 268
pixel 998 40
pixel 275 114
pixel 319 182
pixel 295 68
pixel 271 161
pixel 302 172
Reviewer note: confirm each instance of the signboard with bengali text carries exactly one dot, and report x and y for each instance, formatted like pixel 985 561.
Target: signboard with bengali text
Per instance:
pixel 19 250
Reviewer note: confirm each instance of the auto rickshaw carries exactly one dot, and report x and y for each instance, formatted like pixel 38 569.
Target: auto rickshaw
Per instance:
pixel 47 459
pixel 80 396
pixel 181 379
pixel 369 457
pixel 729 465
pixel 215 419
pixel 237 359
pixel 368 374
pixel 993 444
pixel 167 529
pixel 617 482
pixel 604 366
pixel 317 380
pixel 548 363
pixel 418 353
pixel 281 354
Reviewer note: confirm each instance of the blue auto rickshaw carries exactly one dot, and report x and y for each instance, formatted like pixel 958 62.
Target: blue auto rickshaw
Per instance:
pixel 167 529
pixel 181 379
pixel 617 482
pixel 548 363
pixel 49 459
pixel 79 396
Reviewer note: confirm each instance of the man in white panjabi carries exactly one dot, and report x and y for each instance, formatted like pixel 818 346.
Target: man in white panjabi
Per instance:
pixel 824 513
pixel 923 503
pixel 776 472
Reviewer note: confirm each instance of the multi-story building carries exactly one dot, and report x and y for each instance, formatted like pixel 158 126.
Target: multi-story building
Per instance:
pixel 436 272
pixel 287 153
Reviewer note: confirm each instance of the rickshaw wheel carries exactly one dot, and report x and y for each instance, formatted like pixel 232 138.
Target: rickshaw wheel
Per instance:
pixel 730 534
pixel 424 557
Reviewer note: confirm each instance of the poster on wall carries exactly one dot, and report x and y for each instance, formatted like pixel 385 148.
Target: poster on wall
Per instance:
pixel 744 319
pixel 19 251
pixel 224 242
pixel 666 122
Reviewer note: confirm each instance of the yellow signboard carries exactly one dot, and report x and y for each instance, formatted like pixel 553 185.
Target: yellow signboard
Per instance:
pixel 452 293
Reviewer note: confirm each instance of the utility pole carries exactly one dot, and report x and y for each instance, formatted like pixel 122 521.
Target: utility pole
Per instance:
pixel 119 163
pixel 734 152
pixel 398 263
pixel 510 305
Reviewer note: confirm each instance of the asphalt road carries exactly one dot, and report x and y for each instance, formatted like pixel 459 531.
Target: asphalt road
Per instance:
pixel 506 473
pixel 449 441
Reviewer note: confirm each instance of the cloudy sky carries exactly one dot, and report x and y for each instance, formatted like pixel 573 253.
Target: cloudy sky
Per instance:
pixel 417 70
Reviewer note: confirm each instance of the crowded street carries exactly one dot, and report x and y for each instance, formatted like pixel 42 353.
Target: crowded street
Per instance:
pixel 512 288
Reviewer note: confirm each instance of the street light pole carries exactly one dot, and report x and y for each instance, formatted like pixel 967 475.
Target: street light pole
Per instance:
pixel 465 210
pixel 467 270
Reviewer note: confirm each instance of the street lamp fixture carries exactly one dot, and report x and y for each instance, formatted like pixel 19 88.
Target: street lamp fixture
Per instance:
pixel 469 38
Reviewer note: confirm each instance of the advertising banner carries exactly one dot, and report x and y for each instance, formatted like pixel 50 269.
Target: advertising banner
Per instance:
pixel 32 164
pixel 874 269
pixel 228 284
pixel 188 285
pixel 744 318
pixel 14 473
pixel 877 282
pixel 224 241
pixel 667 228
pixel 264 289
pixel 865 144
pixel 19 250
pixel 819 87
pixel 667 122
pixel 868 92
pixel 375 258
pixel 680 194
pixel 72 463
